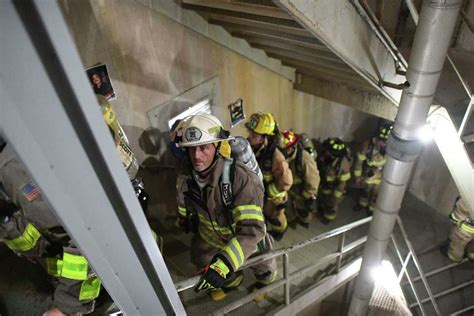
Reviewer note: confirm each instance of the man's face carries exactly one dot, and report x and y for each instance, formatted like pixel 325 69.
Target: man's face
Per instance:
pixel 202 156
pixel 255 140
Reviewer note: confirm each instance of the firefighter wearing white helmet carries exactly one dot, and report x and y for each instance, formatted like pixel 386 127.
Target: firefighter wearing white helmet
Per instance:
pixel 220 200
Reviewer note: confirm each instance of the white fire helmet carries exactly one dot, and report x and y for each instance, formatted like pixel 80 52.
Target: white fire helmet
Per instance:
pixel 200 129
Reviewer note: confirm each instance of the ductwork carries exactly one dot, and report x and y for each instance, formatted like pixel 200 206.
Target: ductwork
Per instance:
pixel 432 39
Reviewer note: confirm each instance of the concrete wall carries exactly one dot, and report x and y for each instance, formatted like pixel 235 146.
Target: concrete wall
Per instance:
pixel 431 181
pixel 151 59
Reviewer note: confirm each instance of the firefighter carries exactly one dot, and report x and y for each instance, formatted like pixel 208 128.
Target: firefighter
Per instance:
pixel 462 234
pixel 277 177
pixel 368 167
pixel 335 171
pixel 122 146
pixel 220 200
pixel 304 191
pixel 28 228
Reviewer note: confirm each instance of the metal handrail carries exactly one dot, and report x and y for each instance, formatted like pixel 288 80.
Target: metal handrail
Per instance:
pixel 461 311
pixel 189 283
pixel 287 276
pixel 411 253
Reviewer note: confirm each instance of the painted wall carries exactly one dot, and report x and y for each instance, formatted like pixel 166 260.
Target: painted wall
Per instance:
pixel 431 181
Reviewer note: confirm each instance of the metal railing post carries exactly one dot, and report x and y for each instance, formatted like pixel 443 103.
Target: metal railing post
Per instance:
pixel 418 267
pixel 286 275
pixel 342 239
pixel 408 276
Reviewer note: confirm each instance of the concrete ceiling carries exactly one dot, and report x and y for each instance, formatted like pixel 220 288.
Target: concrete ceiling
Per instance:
pixel 319 71
pixel 268 27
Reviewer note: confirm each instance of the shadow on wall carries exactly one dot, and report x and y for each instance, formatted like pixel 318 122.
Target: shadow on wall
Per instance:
pixel 158 170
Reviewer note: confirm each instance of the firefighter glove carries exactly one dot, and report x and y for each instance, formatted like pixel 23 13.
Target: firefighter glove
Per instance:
pixel 184 224
pixel 311 204
pixel 214 277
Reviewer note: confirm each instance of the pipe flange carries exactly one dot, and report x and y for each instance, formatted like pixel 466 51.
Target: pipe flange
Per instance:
pixel 402 149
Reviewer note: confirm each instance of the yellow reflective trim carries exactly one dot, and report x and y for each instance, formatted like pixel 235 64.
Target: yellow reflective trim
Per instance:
pixel 374 163
pixel 467 228
pixel 307 194
pixel 345 176
pixel 234 250
pixel 358 172
pixel 361 156
pixel 182 211
pixel 90 289
pixel 210 238
pixel 330 178
pixel 326 192
pixel 26 241
pixel 155 236
pixel 54 266
pixel 270 279
pixel 268 177
pixel 338 194
pixel 374 181
pixel 213 225
pixel 75 267
pixel 244 212
pixel 274 193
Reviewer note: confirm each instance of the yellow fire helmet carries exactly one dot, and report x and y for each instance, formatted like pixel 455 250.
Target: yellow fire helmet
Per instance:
pixel 201 129
pixel 262 123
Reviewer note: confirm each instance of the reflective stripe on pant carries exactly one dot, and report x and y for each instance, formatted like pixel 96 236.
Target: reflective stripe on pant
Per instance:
pixel 459 240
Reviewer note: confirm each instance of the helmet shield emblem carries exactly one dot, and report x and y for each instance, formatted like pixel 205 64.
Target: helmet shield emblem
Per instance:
pixel 193 134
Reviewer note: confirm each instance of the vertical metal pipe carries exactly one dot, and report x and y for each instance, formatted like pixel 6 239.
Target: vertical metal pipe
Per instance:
pixel 342 239
pixel 286 275
pixel 432 38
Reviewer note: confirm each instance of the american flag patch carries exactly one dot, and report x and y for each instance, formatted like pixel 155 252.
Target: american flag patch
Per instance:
pixel 30 191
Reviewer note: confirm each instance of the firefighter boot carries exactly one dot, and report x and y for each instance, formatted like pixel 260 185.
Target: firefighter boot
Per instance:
pixel 304 217
pixel 220 294
pixel 329 216
pixel 278 224
pixel 262 281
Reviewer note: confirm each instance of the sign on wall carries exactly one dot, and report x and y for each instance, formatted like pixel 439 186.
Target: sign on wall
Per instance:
pixel 100 81
pixel 236 111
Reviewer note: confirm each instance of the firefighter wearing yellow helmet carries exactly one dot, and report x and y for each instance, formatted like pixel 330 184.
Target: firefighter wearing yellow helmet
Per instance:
pixel 335 171
pixel 304 191
pixel 368 168
pixel 277 176
pixel 220 200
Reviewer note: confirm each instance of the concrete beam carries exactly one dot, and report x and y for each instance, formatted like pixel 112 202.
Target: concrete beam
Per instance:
pixel 339 26
pixel 359 85
pixel 327 70
pixel 254 36
pixel 274 33
pixel 371 103
pixel 269 46
pixel 313 60
pixel 195 22
pixel 251 24
pixel 227 5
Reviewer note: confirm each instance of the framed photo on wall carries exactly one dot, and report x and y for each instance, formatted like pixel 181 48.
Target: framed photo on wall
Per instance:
pixel 236 110
pixel 100 81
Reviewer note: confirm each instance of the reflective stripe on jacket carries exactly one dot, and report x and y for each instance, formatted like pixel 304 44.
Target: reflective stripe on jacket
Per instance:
pixel 234 230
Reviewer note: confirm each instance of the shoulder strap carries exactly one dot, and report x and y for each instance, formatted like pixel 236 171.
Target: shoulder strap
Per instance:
pixel 226 180
pixel 299 161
